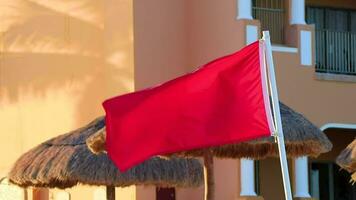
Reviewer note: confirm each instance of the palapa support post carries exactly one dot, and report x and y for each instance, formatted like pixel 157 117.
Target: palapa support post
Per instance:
pixel 277 116
pixel 110 192
pixel 209 183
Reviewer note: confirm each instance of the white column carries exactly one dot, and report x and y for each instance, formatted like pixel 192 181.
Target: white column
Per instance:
pixel 99 194
pixel 244 9
pixel 251 34
pixel 301 177
pixel 247 178
pixel 62 195
pixel 297 12
pixel 306 50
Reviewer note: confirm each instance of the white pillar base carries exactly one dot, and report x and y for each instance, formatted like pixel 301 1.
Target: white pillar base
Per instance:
pixel 244 9
pixel 297 12
pixel 301 177
pixel 247 178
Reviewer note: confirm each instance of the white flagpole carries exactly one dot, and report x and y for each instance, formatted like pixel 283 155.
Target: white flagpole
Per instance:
pixel 277 117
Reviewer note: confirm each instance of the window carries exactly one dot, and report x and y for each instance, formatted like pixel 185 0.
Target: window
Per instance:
pixel 271 14
pixel 335 39
pixel 328 182
pixel 165 193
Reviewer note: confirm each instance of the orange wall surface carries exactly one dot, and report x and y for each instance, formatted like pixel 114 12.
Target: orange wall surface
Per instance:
pixel 175 37
pixel 58 61
pixel 320 101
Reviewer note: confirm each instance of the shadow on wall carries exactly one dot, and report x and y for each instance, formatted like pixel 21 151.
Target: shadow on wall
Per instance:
pixel 57 64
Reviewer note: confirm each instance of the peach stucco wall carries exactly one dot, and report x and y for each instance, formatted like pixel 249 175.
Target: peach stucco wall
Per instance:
pixel 160 41
pixel 213 30
pixel 320 101
pixel 58 61
pixel 175 37
pixel 160 49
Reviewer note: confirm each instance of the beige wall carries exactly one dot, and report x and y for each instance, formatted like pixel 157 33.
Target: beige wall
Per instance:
pixel 271 183
pixel 174 37
pixel 213 31
pixel 160 41
pixel 58 61
pixel 320 101
pixel 160 49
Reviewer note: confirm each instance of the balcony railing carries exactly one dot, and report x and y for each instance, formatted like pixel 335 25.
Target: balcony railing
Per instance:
pixel 271 14
pixel 335 52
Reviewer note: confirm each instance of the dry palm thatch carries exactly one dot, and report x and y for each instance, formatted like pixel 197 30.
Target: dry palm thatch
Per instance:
pixel 347 159
pixel 65 161
pixel 301 138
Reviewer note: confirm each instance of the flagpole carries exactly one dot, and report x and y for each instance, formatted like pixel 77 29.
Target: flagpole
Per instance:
pixel 209 182
pixel 277 117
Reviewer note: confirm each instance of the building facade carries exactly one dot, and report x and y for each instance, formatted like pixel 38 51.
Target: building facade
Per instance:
pixel 60 59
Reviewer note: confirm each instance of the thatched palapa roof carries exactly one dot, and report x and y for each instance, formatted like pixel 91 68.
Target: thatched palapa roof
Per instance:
pixel 65 161
pixel 347 159
pixel 301 138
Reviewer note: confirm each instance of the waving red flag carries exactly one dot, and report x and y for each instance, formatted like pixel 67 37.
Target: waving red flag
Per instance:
pixel 225 101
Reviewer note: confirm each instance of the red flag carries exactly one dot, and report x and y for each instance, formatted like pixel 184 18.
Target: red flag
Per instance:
pixel 225 101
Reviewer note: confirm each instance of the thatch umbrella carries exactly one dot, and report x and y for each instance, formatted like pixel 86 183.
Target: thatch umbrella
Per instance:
pixel 347 159
pixel 302 138
pixel 66 161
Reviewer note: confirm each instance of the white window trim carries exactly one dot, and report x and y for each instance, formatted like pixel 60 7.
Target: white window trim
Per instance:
pixel 337 125
pixel 279 48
